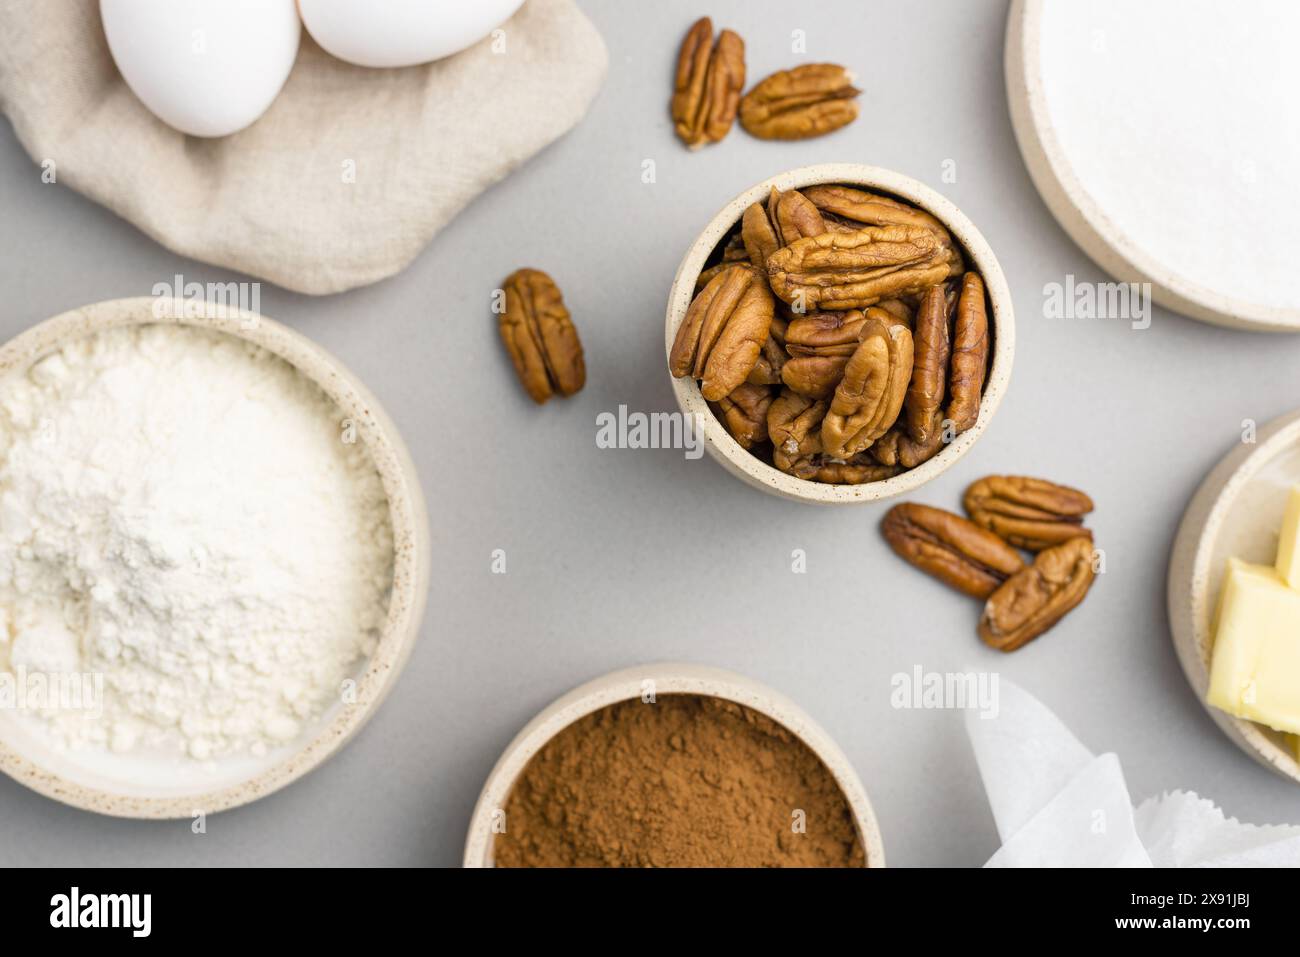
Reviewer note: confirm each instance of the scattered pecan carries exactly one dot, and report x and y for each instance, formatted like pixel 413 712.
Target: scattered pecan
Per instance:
pixel 869 397
pixel 1036 598
pixel 1028 512
pixel 930 369
pixel 808 101
pixel 744 413
pixel 710 77
pixel 786 217
pixel 970 354
pixel 858 269
pixel 950 548
pixel 723 332
pixel 540 336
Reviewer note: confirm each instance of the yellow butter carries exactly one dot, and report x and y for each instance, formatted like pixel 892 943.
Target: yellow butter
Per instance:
pixel 1255 672
pixel 1288 546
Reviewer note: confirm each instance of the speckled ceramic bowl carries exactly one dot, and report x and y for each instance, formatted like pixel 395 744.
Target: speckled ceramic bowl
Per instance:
pixel 665 679
pixel 128 787
pixel 1237 512
pixel 979 256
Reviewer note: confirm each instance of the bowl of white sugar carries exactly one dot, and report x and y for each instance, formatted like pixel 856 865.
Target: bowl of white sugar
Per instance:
pixel 214 556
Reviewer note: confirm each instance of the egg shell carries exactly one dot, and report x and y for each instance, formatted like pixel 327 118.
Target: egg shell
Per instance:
pixel 205 67
pixel 396 33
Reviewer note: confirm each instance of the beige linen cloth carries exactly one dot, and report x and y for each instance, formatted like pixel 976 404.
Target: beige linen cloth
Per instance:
pixel 274 200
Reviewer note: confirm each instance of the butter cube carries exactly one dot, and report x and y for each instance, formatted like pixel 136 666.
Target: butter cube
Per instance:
pixel 1288 546
pixel 1255 672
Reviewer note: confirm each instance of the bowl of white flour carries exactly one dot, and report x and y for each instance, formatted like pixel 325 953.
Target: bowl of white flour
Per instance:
pixel 214 556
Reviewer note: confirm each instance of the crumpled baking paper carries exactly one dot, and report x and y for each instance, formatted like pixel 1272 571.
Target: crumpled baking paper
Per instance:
pixel 1058 805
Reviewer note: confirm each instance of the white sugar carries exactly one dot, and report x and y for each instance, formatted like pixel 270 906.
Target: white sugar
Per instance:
pixel 1180 118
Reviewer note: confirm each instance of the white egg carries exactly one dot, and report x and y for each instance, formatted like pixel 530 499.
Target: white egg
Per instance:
pixel 392 33
pixel 205 67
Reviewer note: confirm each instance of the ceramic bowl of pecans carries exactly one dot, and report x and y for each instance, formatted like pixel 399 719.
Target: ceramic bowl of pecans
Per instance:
pixel 843 332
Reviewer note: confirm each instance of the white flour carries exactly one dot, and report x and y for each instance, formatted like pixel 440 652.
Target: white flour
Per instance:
pixel 1179 118
pixel 179 511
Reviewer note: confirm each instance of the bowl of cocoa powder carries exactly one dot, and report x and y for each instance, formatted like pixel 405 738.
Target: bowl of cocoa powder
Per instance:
pixel 673 765
pixel 840 334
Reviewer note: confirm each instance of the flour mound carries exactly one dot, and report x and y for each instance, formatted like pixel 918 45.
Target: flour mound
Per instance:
pixel 183 513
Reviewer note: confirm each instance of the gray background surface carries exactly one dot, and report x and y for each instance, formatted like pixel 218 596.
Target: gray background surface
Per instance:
pixel 622 557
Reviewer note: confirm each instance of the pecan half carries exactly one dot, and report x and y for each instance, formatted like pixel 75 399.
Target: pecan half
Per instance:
pixel 869 397
pixel 820 345
pixel 814 376
pixel 1036 598
pixel 794 426
pixel 786 217
pixel 735 251
pixel 826 333
pixel 540 336
pixel 970 354
pixel 854 270
pixel 732 252
pixel 1028 512
pixel 768 367
pixel 893 312
pixel 808 101
pixel 869 209
pixel 930 369
pixel 854 208
pixel 896 447
pixel 950 548
pixel 723 331
pixel 744 413
pixel 706 90
pixel 706 275
pixel 767 370
pixel 856 471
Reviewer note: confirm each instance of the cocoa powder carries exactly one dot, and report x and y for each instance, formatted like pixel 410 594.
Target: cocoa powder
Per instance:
pixel 685 781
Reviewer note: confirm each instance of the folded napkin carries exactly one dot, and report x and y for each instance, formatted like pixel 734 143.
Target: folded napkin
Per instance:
pixel 1058 805
pixel 275 200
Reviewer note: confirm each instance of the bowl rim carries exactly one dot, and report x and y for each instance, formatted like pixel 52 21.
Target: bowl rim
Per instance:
pixel 1192 576
pixel 665 678
pixel 719 442
pixel 407 512
pixel 1082 217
